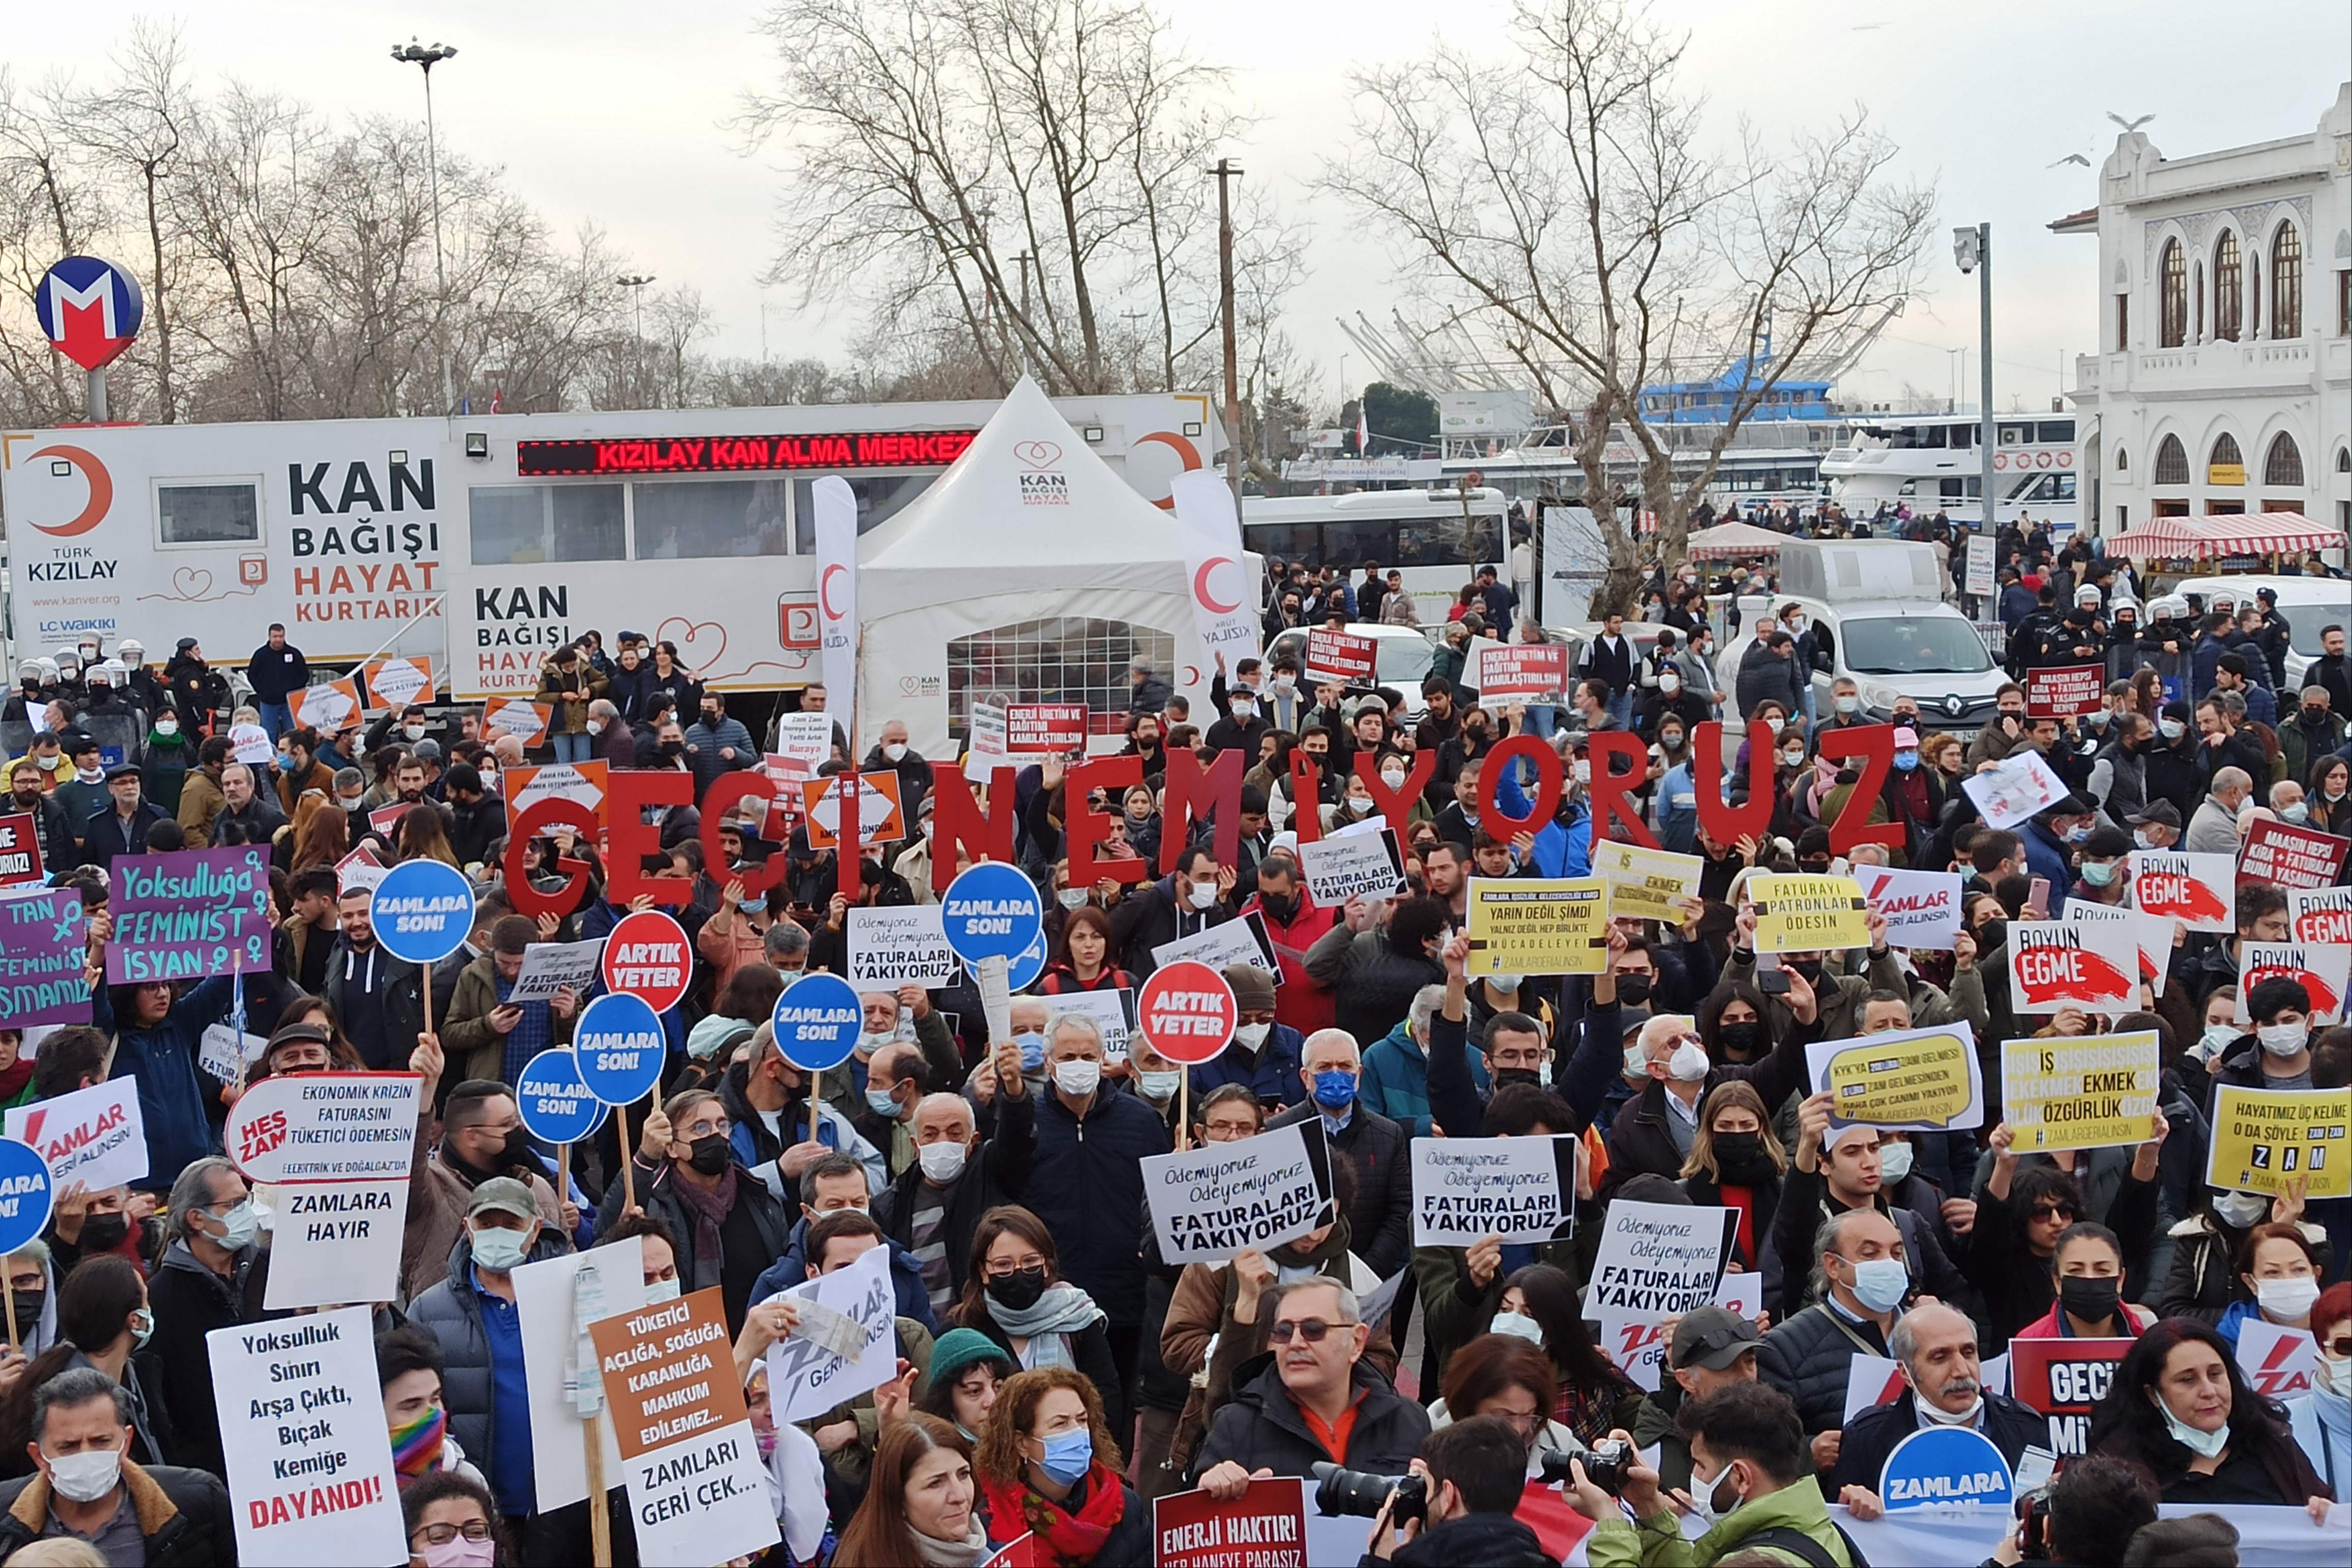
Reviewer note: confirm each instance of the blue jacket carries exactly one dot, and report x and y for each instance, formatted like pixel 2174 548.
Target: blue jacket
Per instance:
pixel 172 1090
pixel 1396 1079
pixel 905 1278
pixel 1087 1185
pixel 1271 1074
pixel 2016 602
pixel 1559 850
pixel 2261 706
pixel 2204 659
pixel 2046 857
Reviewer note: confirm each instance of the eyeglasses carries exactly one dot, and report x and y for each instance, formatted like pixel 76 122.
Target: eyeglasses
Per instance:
pixel 2340 1346
pixel 1311 1330
pixel 2049 1211
pixel 441 1535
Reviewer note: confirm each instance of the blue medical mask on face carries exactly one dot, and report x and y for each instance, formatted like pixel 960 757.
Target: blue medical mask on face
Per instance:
pixel 883 1101
pixel 1907 760
pixel 1033 1050
pixel 1881 1283
pixel 1069 1456
pixel 2098 874
pixel 2079 834
pixel 1334 1088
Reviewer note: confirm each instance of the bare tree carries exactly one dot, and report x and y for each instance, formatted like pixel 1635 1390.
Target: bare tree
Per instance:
pixel 140 123
pixel 1566 206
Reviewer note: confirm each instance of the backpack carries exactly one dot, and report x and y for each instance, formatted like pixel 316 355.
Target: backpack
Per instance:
pixel 1803 1547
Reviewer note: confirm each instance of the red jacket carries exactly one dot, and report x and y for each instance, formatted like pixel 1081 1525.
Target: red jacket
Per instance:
pixel 1299 1001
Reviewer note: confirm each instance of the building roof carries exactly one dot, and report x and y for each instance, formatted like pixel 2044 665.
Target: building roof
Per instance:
pixel 2083 223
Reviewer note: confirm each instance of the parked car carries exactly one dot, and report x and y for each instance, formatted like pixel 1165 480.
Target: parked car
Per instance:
pixel 1401 661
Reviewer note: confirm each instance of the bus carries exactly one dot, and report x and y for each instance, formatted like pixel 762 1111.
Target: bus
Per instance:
pixel 1437 538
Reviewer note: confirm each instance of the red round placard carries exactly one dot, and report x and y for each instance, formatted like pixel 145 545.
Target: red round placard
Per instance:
pixel 1187 1011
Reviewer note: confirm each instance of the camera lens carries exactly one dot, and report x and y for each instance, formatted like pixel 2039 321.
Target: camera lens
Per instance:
pixel 1340 1492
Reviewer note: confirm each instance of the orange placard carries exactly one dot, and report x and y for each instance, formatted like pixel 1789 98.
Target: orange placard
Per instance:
pixel 668 1372
pixel 330 708
pixel 880 818
pixel 518 717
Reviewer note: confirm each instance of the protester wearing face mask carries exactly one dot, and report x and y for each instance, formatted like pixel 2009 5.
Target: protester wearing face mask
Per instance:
pixel 1864 1261
pixel 2021 1213
pixel 454 1521
pixel 213 1230
pixel 1656 1132
pixel 932 1207
pixel 2179 1406
pixel 1736 1161
pixel 688 1178
pixel 408 1362
pixel 1262 1055
pixel 1017 1297
pixel 88 1487
pixel 1048 1464
pixel 1935 1347
pixel 2279 1277
pixel 1188 900
pixel 2276 1054
pixel 1373 1147
pixel 482 1137
pixel 2086 1267
pixel 2321 1419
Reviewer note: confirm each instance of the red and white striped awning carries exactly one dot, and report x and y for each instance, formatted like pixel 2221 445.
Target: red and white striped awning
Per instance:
pixel 1735 541
pixel 2211 538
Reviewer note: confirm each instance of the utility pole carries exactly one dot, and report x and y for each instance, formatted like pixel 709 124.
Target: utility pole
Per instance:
pixel 1226 172
pixel 1972 249
pixel 427 57
pixel 634 283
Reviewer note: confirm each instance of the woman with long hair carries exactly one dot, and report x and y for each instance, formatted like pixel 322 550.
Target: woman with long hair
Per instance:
pixel 918 1507
pixel 1048 1466
pixel 1737 1162
pixel 2330 794
pixel 1540 1305
pixel 102 1320
pixel 2179 1405
pixel 323 834
pixel 1733 1024
pixel 423 837
pixel 1081 960
pixel 1017 1297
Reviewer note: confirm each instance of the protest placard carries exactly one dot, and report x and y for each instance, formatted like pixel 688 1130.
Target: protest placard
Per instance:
pixel 584 782
pixel 991 736
pixel 2014 787
pixel 1638 1348
pixel 1922 908
pixel 1521 671
pixel 2059 964
pixel 329 707
pixel 1809 913
pixel 2153 933
pixel 698 1488
pixel 1209 1203
pixel 44 951
pixel 552 1298
pixel 1186 1012
pixel 551 966
pixel 1945 1466
pixel 309 1458
pixel 398 682
pixel 1265 1527
pixel 1041 729
pixel 1913 1079
pixel 1538 925
pixel 2279 1360
pixel 880 819
pixel 1113 1012
pixel 189 914
pixel 250 743
pixel 2319 915
pixel 902 946
pixel 1646 884
pixel 385 818
pixel 2199 890
pixel 340 1126
pixel 423 910
pixel 649 955
pixel 1658 1259
pixel 2063 1378
pixel 359 870
pixel 2290 855
pixel 20 850
pixel 1342 658
pixel 336 1241
pixel 2264 1138
pixel 806 1378
pixel 1870 1381
pixel 805 737
pixel 1338 869
pixel 1979 580
pixel 2062 691
pixel 1521 1189
pixel 95 1135
pixel 526 720
pixel 2079 1091
pixel 2322 969
pixel 1239 941
pixel 218 1047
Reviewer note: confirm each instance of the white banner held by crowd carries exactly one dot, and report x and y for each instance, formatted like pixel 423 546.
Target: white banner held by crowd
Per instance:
pixel 1521 1189
pixel 1240 941
pixel 95 1135
pixel 1207 1204
pixel 551 966
pixel 901 947
pixel 804 1377
pixel 1339 869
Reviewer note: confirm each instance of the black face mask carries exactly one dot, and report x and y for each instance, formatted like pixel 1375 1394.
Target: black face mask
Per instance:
pixel 711 1155
pixel 1504 1077
pixel 1633 990
pixel 710 720
pixel 673 748
pixel 1991 934
pixel 1018 1291
pixel 29 1304
pixel 1739 1041
pixel 1810 968
pixel 104 1232
pixel 1740 1157
pixel 2089 1300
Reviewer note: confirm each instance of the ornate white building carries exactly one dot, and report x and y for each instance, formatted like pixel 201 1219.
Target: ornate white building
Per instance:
pixel 2225 318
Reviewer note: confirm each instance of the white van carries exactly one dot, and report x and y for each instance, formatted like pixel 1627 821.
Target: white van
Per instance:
pixel 2309 604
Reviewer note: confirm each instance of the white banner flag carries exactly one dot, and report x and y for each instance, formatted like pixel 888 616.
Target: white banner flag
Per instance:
pixel 837 591
pixel 1217 578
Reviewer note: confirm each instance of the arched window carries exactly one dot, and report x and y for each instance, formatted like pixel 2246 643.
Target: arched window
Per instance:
pixel 1065 659
pixel 2343 460
pixel 2172 303
pixel 2286 282
pixel 2229 284
pixel 2123 460
pixel 2171 462
pixel 2225 454
pixel 2284 464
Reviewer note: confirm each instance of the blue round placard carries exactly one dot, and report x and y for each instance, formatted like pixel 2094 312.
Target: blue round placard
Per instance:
pixel 556 1106
pixel 992 911
pixel 25 1195
pixel 818 1022
pixel 1944 1467
pixel 423 911
pixel 1023 972
pixel 618 1047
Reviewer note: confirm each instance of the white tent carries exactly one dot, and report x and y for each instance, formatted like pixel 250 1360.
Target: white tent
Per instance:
pixel 1038 567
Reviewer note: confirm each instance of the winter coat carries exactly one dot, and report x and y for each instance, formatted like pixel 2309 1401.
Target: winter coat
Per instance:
pixel 1809 1358
pixel 658 1197
pixel 168 763
pixel 108 835
pixel 1148 917
pixel 1765 676
pixel 1372 983
pixel 704 745
pixel 1086 1186
pixel 1871 1435
pixel 452 1314
pixel 1379 1153
pixel 569 693
pixel 277 674
pixel 466 1033
pixel 1271 1071
pixel 1396 1079
pixel 201 801
pixel 1262 1428
pixel 1298 1001
pixel 997 1174
pixel 1640 1139
pixel 2203 1282
pixel 437 1196
pixel 185 1518
pixel 173 1093
pixel 1788 1258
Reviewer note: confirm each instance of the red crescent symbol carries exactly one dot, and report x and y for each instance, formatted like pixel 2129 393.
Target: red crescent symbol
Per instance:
pixel 1183 448
pixel 101 490
pixel 1201 585
pixel 824 589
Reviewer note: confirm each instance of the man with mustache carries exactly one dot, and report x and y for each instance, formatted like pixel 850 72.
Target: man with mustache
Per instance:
pixel 1936 1347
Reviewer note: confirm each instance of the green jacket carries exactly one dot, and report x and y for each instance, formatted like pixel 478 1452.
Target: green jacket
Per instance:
pixel 1657 1541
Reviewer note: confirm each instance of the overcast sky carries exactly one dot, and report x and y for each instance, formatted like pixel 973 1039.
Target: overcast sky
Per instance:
pixel 611 111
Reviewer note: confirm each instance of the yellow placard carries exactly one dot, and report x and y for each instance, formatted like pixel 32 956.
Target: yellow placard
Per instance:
pixel 1646 884
pixel 2088 1091
pixel 2264 1138
pixel 1922 1079
pixel 1538 925
pixel 1809 913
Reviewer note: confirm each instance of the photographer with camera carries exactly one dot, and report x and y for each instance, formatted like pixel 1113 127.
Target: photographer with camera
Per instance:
pixel 1750 1480
pixel 2085 1518
pixel 1453 1510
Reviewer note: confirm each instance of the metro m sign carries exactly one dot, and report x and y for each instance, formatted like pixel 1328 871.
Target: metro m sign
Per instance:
pixel 89 310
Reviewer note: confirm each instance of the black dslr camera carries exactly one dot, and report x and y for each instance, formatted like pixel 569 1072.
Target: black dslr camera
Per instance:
pixel 1605 1465
pixel 1341 1491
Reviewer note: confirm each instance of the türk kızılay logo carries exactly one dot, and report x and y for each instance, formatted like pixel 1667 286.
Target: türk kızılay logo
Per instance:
pixel 1042 484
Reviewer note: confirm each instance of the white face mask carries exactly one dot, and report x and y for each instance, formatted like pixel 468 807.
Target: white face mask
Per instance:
pixel 1774 724
pixel 1518 1325
pixel 1794 757
pixel 942 1162
pixel 662 1291
pixel 414 731
pixel 1637 1063
pixel 2335 1374
pixel 2282 1040
pixel 1393 778
pixel 167 727
pixel 1077 1077
pixel 1669 681
pixel 1071 897
pixel 1688 1065
pixel 2206 1445
pixel 895 751
pixel 1849 704
pixel 2283 1301
pixel 2241 1209
pixel 88 1475
pixel 1203 895
pixel 1253 1035
pixel 596 726
pixel 1894 1162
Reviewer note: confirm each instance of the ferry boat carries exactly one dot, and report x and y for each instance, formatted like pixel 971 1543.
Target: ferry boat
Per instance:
pixel 1931 463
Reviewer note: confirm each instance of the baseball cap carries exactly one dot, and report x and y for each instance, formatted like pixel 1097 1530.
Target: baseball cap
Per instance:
pixel 504 1194
pixel 1712 1337
pixel 2157 813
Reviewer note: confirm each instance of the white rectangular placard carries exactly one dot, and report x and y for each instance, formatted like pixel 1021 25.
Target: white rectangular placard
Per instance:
pixel 1113 1012
pixel 1209 1203
pixel 1520 1189
pixel 1339 869
pixel 550 966
pixel 806 1379
pixel 901 947
pixel 552 1351
pixel 1922 907
pixel 94 1136
pixel 1241 941
pixel 336 1241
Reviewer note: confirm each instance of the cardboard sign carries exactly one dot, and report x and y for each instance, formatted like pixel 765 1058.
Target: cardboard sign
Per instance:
pixel 95 1135
pixel 325 1127
pixel 337 1242
pixel 526 720
pixel 1809 913
pixel 1344 658
pixel 880 819
pixel 2323 969
pixel 1265 1527
pixel 2153 933
pixel 2063 1378
pixel 2279 1361
pixel 310 1460
pixel 2087 1091
pixel 190 914
pixel 20 850
pixel 1658 1260
pixel 1870 1381
pixel 585 782
pixel 250 743
pixel 1521 671
pixel 359 870
pixel 2019 785
pixel 330 708
pixel 44 948
pixel 551 966
pixel 2290 855
pixel 1521 1189
pixel 1945 1466
pixel 397 683
pixel 1637 1347
pixel 1113 1012
pixel 2264 1138
pixel 385 818
pixel 1646 884
pixel 1209 1203
pixel 551 1297
pixel 1043 729
pixel 217 1051
pixel 1538 925
pixel 2320 915
pixel 1979 567
pixel 698 1487
pixel 1917 1080
pixel 2065 691
pixel 1922 908
pixel 1186 1009
pixel 990 735
pixel 894 947
pixel 1341 868
pixel 2059 964
pixel 2200 891
pixel 649 956
pixel 806 1379
pixel 1242 940
pixel 805 737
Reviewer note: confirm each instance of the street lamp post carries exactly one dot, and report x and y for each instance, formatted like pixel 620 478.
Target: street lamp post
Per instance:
pixel 427 56
pixel 1972 249
pixel 634 282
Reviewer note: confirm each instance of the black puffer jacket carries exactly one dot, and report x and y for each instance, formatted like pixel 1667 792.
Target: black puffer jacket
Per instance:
pixel 184 1515
pixel 1810 1357
pixel 1262 1428
pixel 1086 1183
pixel 1372 984
pixel 1380 1156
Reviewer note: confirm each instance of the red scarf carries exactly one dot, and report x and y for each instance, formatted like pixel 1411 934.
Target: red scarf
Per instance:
pixel 1071 1538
